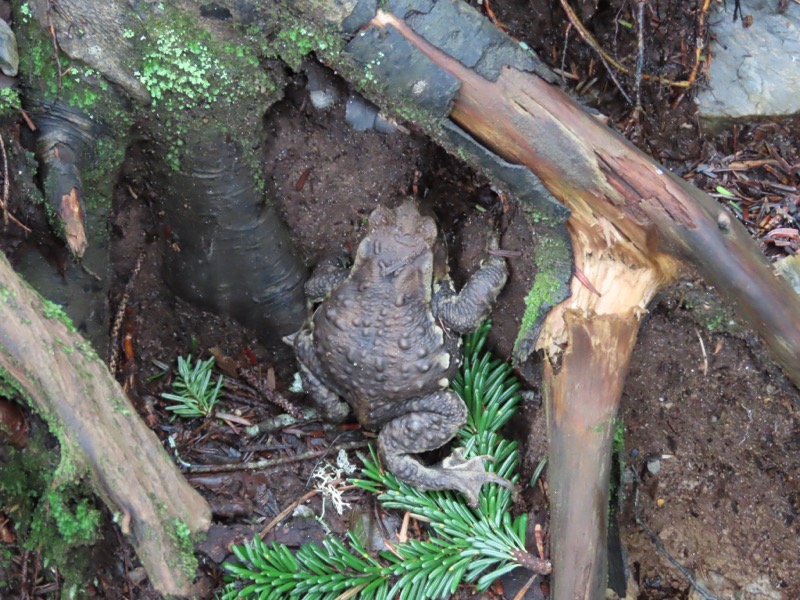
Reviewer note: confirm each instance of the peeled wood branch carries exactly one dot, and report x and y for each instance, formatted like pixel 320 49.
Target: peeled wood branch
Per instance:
pixel 99 433
pixel 618 195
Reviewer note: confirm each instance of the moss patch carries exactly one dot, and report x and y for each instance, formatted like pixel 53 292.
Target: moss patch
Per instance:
pixel 59 522
pixel 548 285
pixel 183 536
pixel 184 67
pixel 51 310
pixel 10 103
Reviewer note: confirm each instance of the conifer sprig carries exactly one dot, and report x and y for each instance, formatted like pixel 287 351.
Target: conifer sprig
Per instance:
pixel 463 544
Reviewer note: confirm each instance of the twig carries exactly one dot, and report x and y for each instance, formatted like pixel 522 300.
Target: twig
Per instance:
pixel 606 57
pixel 289 509
pixel 749 420
pixel 55 56
pixel 637 81
pixel 6 192
pixel 564 53
pixel 25 116
pixel 660 546
pixel 113 358
pixel 270 395
pixel 580 276
pixel 698 46
pixel 4 204
pixel 703 349
pixel 280 421
pixel 271 462
pixel 493 18
pixel 24 584
pixel 524 589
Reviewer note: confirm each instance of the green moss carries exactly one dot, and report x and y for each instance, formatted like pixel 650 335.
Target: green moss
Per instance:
pixel 107 157
pixel 9 386
pixel 77 524
pixel 545 287
pixel 56 521
pixel 87 350
pixel 619 436
pixel 182 535
pixel 197 81
pixel 10 102
pixel 706 309
pixel 549 254
pixel 77 86
pixel 296 39
pixel 120 406
pixel 61 344
pixel 51 310
pixel 6 294
pixel 183 67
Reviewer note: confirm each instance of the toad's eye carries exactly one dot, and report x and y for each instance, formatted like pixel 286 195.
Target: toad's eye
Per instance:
pixel 376 247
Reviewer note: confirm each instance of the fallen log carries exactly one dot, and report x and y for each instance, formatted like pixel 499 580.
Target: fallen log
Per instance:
pixel 101 437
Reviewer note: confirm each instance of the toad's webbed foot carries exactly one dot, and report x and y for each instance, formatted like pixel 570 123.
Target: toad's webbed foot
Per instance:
pixel 430 423
pixel 468 475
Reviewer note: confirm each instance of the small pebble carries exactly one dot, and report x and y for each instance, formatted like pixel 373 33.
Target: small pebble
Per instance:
pixel 653 466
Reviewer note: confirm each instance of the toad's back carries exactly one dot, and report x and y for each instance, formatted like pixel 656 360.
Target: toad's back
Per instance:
pixel 378 340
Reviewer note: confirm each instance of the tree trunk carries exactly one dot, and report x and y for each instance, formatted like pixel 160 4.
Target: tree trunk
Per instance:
pixel 195 86
pixel 100 434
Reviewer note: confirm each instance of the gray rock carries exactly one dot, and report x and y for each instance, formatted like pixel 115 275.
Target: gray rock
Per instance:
pixel 789 269
pixel 755 71
pixel 9 55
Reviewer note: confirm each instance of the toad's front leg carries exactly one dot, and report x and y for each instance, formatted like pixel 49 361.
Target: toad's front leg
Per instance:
pixel 464 311
pixel 428 423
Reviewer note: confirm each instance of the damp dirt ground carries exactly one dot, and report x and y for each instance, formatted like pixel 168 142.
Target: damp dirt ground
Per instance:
pixel 709 462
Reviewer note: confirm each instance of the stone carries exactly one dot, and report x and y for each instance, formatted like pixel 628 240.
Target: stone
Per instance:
pixel 755 70
pixel 9 55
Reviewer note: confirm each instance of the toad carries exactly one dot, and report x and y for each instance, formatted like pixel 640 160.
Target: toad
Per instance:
pixel 386 339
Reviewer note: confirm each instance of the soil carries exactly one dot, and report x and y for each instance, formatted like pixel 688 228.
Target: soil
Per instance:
pixel 711 451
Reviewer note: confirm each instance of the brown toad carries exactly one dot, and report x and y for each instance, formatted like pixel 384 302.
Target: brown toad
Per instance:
pixel 386 339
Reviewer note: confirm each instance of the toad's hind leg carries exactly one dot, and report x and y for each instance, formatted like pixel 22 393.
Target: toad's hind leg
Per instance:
pixel 429 423
pixel 326 400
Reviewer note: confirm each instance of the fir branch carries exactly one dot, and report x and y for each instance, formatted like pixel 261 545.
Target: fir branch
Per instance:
pixel 464 544
pixel 194 395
